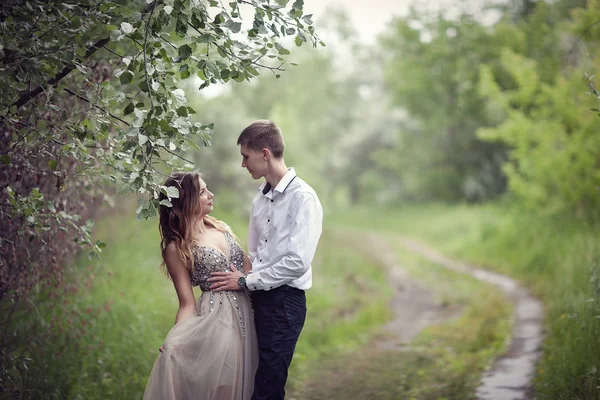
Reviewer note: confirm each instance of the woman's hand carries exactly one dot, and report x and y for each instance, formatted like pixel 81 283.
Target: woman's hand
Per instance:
pixel 162 348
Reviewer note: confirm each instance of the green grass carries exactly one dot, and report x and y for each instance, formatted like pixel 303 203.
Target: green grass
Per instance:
pixel 558 258
pixel 100 342
pixel 113 326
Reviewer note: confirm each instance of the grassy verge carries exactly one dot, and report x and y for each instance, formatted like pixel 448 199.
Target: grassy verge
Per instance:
pixel 443 362
pixel 129 306
pixel 559 259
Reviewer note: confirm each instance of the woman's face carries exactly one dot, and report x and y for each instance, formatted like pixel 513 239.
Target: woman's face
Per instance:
pixel 206 198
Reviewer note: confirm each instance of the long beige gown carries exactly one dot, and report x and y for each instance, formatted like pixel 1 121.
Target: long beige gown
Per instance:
pixel 214 355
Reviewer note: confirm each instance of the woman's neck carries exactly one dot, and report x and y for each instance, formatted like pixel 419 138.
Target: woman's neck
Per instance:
pixel 200 227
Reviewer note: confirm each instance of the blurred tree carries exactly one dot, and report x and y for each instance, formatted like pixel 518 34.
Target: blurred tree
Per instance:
pixel 432 73
pixel 547 122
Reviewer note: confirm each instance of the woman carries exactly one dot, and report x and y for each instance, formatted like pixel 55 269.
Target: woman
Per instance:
pixel 211 352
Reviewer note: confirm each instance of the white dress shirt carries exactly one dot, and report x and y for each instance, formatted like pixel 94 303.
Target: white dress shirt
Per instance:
pixel 284 230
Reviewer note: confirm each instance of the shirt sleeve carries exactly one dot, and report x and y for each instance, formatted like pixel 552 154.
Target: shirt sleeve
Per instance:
pixel 252 237
pixel 301 247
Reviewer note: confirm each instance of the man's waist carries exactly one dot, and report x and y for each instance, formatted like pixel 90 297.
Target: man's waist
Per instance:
pixel 282 288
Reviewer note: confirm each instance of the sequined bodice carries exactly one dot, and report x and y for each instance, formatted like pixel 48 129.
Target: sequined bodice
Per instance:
pixel 209 259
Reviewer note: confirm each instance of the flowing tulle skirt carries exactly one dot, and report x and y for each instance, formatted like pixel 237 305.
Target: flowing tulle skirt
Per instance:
pixel 209 357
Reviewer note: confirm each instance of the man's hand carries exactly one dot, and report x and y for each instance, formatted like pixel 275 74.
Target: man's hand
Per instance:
pixel 225 280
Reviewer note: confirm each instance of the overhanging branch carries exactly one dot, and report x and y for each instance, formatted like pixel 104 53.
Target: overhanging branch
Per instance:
pixel 25 98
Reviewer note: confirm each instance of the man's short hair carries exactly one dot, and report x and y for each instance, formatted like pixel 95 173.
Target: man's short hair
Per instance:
pixel 261 134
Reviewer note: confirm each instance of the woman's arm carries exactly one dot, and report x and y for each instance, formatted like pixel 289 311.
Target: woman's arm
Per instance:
pixel 181 280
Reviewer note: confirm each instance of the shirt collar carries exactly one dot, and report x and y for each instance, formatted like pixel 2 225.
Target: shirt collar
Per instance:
pixel 281 186
pixel 286 180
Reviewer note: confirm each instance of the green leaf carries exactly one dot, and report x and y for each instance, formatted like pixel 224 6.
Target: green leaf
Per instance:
pixel 181 25
pixel 172 192
pixel 53 164
pixel 205 38
pixel 126 77
pixel 5 159
pixel 182 111
pixel 184 52
pixel 307 19
pixel 166 203
pixel 129 109
pixel 126 27
pixel 282 50
pixel 142 139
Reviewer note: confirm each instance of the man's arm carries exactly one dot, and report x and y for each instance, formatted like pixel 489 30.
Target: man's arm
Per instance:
pixel 301 247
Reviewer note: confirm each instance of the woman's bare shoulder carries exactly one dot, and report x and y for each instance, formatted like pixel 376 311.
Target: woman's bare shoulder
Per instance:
pixel 172 254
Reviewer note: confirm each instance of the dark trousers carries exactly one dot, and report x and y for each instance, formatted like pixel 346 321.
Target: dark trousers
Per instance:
pixel 279 316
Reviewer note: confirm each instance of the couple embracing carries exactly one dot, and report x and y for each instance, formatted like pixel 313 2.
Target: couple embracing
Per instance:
pixel 237 340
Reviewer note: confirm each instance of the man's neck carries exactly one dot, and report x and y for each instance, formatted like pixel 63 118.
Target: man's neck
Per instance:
pixel 277 172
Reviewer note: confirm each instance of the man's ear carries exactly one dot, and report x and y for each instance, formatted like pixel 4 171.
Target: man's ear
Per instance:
pixel 266 153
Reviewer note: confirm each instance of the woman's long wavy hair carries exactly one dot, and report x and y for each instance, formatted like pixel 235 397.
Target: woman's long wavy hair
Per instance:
pixel 177 222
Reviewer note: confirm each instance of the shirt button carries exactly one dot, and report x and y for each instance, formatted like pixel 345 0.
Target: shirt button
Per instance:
pixel 260 260
pixel 268 220
pixel 271 200
pixel 265 240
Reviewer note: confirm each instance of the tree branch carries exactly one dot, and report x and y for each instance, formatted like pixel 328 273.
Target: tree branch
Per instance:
pixel 24 99
pixel 113 52
pixel 145 45
pixel 96 106
pixel 177 155
pixel 233 55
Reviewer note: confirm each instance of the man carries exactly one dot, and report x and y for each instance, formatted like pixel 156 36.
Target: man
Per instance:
pixel 284 230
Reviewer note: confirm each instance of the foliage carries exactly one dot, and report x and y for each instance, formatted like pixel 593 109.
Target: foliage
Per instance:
pixel 553 139
pixel 547 124
pixel 208 43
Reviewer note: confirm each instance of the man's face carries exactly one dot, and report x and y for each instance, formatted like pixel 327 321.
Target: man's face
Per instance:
pixel 254 161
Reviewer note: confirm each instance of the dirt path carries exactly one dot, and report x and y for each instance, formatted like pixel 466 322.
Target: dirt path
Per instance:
pixel 510 376
pixel 411 302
